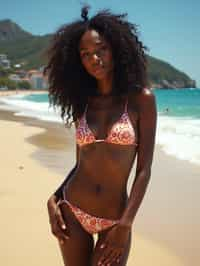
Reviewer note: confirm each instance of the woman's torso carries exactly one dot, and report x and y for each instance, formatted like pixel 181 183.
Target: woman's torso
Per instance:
pixel 99 184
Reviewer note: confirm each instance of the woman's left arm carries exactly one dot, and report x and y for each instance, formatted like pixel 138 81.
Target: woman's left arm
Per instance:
pixel 147 133
pixel 116 239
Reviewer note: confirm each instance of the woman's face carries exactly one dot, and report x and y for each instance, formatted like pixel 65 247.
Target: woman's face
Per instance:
pixel 96 55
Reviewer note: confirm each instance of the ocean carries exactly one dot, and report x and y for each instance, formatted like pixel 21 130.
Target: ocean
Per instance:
pixel 178 125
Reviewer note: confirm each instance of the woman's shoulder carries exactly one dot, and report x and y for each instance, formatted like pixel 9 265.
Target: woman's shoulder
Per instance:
pixel 142 97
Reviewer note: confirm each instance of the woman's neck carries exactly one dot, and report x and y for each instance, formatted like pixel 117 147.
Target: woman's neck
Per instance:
pixel 104 101
pixel 104 86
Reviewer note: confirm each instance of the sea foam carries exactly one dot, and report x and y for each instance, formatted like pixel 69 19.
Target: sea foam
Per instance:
pixel 178 136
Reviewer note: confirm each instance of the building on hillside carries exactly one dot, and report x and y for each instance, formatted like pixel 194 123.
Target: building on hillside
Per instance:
pixel 29 73
pixel 4 62
pixel 21 73
pixel 14 77
pixel 37 81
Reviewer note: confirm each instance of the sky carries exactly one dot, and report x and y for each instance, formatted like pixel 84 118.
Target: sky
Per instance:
pixel 170 29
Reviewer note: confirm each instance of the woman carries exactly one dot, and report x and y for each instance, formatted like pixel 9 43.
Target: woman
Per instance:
pixel 97 72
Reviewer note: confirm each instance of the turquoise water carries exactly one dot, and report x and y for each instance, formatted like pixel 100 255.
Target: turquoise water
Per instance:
pixel 180 102
pixel 39 98
pixel 178 128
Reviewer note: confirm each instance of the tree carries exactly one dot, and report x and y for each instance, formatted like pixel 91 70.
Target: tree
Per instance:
pixel 24 85
pixel 4 72
pixel 10 84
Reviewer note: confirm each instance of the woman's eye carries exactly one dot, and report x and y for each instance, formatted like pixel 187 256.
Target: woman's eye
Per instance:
pixel 85 55
pixel 103 48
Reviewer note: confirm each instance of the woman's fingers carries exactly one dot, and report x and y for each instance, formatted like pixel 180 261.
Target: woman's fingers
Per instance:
pixel 59 217
pixel 58 226
pixel 62 227
pixel 58 232
pixel 109 256
pixel 105 254
pixel 116 257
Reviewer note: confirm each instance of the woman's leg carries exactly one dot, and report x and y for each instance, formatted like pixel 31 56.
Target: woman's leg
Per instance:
pixel 78 249
pixel 97 251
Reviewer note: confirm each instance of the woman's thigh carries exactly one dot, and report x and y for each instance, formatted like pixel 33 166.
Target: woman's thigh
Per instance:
pixel 98 252
pixel 77 250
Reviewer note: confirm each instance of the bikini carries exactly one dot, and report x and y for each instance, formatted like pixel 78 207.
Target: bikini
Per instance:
pixel 121 133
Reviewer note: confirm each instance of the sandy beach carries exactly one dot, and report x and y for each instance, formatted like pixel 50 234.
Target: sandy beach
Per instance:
pixel 36 156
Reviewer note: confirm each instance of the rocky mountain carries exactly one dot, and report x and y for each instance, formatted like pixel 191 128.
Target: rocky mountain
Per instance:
pixel 10 31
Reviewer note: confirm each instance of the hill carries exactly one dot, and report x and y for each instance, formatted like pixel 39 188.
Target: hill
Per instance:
pixel 10 31
pixel 25 48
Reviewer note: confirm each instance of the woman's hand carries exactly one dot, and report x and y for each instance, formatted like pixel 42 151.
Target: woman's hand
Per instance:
pixel 58 226
pixel 114 245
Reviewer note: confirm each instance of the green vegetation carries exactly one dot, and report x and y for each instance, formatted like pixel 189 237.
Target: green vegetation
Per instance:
pixel 10 84
pixel 160 70
pixel 5 72
pixel 5 82
pixel 28 50
pixel 24 85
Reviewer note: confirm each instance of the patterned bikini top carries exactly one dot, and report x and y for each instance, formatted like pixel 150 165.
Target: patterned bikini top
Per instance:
pixel 122 131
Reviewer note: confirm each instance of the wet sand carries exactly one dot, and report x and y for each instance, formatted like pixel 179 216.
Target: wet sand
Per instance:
pixel 35 158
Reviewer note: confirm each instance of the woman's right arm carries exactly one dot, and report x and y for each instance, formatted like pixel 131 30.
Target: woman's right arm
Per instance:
pixel 58 226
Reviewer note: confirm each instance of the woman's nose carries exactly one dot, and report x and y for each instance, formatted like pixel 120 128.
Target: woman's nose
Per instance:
pixel 96 58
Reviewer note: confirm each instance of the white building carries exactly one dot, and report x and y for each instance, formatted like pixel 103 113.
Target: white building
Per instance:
pixel 37 81
pixel 14 77
pixel 4 62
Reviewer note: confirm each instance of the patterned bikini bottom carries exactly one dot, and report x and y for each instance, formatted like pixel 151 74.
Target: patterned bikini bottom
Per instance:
pixel 91 224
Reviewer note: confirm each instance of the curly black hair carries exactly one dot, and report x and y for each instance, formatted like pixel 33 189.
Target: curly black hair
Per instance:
pixel 70 84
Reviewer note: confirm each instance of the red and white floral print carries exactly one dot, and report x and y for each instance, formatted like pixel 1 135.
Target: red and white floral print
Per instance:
pixel 122 132
pixel 90 223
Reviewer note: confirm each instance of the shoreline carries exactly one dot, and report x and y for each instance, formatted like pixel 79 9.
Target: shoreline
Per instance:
pixel 162 225
pixel 20 92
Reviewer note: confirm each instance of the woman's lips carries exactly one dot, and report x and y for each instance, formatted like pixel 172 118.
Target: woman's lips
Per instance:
pixel 98 69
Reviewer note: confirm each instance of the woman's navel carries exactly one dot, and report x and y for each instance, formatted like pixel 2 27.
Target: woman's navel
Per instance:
pixel 98 188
